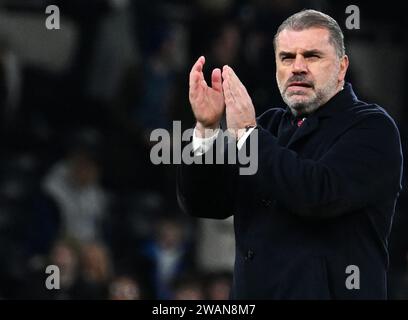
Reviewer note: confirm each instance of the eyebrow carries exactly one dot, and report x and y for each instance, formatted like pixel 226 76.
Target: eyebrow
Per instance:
pixel 306 53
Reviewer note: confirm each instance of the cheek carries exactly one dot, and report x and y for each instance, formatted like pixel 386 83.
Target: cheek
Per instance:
pixel 322 73
pixel 280 75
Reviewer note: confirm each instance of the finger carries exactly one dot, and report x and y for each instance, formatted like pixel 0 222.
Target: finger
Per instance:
pixel 226 78
pixel 216 81
pixel 198 65
pixel 197 78
pixel 196 73
pixel 229 99
pixel 237 87
pixel 225 72
pixel 233 75
pixel 194 85
pixel 230 106
pixel 230 84
pixel 235 83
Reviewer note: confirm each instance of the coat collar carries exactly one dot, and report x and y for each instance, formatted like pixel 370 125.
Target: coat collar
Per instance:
pixel 341 101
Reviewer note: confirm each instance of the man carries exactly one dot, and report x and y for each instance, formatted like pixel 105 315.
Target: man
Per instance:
pixel 314 220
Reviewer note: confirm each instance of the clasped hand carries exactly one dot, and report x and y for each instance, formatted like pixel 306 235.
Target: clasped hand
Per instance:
pixel 226 93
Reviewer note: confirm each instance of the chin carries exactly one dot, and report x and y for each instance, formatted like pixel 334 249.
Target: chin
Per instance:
pixel 302 106
pixel 298 104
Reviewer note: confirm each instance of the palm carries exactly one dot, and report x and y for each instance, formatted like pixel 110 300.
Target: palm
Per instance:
pixel 207 105
pixel 207 102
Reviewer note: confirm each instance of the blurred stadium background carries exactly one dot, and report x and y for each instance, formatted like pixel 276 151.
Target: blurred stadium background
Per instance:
pixel 77 188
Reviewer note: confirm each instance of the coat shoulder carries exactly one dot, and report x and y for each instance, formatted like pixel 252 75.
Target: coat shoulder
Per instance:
pixel 373 113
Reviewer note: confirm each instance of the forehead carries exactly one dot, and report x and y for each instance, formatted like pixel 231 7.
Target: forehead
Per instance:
pixel 307 39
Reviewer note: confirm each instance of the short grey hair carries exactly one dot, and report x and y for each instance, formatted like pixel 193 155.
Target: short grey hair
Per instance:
pixel 306 19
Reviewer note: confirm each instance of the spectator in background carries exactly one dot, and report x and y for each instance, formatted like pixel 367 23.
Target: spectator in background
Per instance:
pixel 74 184
pixel 112 55
pixel 124 288
pixel 95 271
pixel 153 110
pixel 64 255
pixel 188 287
pixel 225 47
pixel 218 286
pixel 167 255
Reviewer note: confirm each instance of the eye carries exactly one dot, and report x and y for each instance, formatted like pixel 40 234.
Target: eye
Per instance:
pixel 287 59
pixel 313 57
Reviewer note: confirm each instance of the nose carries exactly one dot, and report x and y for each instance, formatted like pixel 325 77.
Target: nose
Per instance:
pixel 299 65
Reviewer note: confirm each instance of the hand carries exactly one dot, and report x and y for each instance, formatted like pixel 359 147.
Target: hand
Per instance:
pixel 240 110
pixel 206 102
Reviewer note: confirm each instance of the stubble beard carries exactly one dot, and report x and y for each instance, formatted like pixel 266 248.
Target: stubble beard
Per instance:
pixel 318 98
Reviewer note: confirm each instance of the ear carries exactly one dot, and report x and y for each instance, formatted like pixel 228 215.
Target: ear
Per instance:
pixel 344 63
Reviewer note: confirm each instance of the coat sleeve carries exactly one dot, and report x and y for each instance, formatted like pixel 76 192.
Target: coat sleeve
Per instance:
pixel 363 166
pixel 206 190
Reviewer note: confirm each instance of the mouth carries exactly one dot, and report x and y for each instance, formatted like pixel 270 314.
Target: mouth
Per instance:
pixel 297 85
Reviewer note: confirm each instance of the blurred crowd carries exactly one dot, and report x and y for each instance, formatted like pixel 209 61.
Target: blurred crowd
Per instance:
pixel 77 106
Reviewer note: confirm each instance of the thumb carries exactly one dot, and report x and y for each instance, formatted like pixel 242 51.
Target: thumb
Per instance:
pixel 216 81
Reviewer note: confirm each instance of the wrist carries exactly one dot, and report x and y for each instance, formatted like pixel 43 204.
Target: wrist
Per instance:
pixel 244 130
pixel 205 131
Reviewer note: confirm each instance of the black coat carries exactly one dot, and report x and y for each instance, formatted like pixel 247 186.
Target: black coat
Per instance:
pixel 323 198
